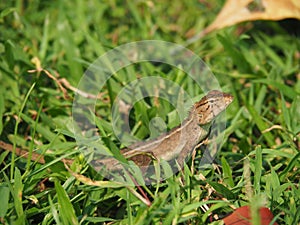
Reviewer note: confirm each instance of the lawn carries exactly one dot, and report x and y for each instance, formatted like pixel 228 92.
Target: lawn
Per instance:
pixel 61 99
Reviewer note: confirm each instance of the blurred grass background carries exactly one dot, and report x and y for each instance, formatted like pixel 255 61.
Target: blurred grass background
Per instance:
pixel 257 62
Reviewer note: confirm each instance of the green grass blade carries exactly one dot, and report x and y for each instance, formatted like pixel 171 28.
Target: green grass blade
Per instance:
pixel 4 193
pixel 16 128
pixel 18 194
pixel 258 169
pixel 66 210
pixel 262 126
pixel 227 173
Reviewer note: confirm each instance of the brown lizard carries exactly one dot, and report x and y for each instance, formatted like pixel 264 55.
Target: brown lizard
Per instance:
pixel 179 142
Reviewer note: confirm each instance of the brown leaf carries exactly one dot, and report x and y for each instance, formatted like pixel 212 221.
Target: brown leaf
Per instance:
pixel 242 215
pixel 234 12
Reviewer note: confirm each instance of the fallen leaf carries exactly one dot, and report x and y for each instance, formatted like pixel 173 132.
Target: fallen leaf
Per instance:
pixel 242 216
pixel 234 12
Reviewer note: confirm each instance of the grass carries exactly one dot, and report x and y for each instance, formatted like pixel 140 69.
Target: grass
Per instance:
pixel 259 159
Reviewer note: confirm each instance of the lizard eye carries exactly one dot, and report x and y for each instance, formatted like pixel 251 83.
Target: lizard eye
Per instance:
pixel 200 118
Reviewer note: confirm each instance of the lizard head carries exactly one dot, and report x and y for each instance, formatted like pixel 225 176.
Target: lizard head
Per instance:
pixel 211 105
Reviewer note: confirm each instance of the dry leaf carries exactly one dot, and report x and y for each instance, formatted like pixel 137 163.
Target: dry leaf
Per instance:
pixel 234 12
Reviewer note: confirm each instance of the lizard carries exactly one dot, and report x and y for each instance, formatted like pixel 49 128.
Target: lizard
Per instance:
pixel 179 142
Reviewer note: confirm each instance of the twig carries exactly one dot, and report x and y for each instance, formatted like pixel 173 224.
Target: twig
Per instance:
pixel 24 153
pixel 62 83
